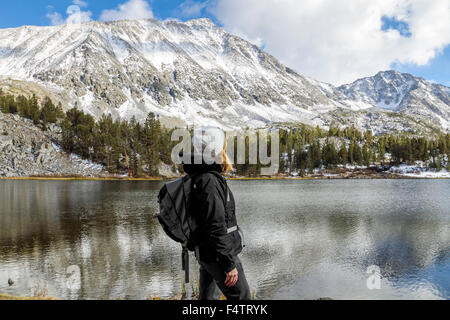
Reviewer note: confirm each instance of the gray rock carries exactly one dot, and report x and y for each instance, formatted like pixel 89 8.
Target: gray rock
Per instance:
pixel 29 151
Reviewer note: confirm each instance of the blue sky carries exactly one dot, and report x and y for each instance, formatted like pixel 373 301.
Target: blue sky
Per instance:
pixel 34 12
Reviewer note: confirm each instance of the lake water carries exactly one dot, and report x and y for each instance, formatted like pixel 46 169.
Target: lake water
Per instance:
pixel 305 239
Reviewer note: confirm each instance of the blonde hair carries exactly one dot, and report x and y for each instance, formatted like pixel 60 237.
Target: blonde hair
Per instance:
pixel 226 162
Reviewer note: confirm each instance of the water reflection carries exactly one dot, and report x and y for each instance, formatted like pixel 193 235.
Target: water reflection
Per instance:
pixel 305 239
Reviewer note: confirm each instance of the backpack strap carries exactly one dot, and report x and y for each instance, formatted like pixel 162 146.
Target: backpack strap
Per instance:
pixel 185 264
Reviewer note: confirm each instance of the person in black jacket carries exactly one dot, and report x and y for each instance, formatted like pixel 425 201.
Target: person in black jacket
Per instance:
pixel 219 237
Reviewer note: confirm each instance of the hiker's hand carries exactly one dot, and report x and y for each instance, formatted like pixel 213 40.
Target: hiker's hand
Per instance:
pixel 232 278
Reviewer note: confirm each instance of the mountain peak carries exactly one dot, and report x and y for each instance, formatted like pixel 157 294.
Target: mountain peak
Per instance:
pixel 390 74
pixel 395 91
pixel 201 21
pixel 197 73
pixel 390 71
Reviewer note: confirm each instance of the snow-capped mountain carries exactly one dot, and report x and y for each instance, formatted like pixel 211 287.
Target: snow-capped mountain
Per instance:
pixel 386 90
pixel 197 73
pixel 402 93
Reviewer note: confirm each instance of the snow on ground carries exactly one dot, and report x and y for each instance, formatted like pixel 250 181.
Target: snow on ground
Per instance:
pixel 353 167
pixel 419 172
pixel 86 164
pixel 86 102
pixel 57 147
pixel 444 123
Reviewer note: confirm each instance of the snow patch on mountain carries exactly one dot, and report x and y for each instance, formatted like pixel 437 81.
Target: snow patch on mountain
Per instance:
pixel 198 73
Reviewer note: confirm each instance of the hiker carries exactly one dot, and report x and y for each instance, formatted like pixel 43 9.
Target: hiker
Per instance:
pixel 213 206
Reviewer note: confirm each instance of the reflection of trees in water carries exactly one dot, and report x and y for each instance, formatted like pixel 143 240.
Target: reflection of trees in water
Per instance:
pixel 107 229
pixel 21 218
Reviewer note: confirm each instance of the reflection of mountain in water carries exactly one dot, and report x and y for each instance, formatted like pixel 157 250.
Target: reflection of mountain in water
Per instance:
pixel 304 239
pixel 347 226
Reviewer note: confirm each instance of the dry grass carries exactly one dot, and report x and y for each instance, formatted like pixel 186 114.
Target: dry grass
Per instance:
pixel 57 178
pixel 339 174
pixel 4 297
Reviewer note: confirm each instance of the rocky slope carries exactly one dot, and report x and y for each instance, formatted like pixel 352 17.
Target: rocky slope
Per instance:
pixel 403 94
pixel 26 150
pixel 197 73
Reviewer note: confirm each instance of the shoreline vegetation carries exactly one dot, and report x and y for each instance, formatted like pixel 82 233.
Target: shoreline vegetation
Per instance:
pixel 358 174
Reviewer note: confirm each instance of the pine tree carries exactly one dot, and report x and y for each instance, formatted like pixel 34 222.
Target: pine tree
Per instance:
pixel 366 156
pixel 343 154
pixel 358 156
pixel 34 112
pixel 351 153
pixel 330 155
pixel 49 112
pixel 151 134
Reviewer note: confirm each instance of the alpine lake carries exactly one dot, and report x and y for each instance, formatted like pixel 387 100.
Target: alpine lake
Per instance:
pixel 305 239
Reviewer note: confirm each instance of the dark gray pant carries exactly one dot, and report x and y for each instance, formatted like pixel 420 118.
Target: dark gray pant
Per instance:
pixel 212 276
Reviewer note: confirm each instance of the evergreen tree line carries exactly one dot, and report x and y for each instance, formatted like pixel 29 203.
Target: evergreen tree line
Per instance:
pixel 307 148
pixel 41 113
pixel 138 149
pixel 120 145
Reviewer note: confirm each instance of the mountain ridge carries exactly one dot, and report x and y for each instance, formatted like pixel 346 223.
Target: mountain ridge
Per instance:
pixel 195 73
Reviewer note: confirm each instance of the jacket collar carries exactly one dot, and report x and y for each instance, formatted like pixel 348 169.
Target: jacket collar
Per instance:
pixel 194 168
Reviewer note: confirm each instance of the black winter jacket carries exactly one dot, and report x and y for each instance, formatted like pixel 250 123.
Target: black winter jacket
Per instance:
pixel 218 233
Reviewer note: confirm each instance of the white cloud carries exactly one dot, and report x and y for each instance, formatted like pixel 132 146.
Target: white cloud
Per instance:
pixel 80 3
pixel 339 40
pixel 191 8
pixel 131 10
pixel 55 18
pixel 74 14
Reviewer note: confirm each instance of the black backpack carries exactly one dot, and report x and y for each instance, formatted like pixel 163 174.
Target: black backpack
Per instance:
pixel 175 217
